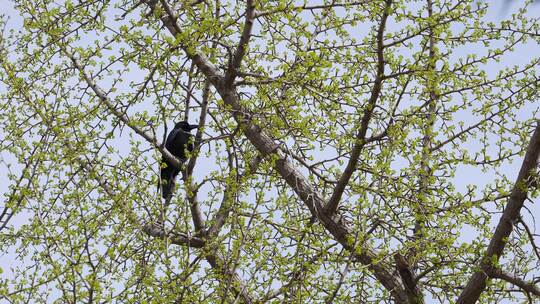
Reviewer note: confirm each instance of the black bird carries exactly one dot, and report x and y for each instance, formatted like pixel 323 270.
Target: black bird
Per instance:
pixel 178 141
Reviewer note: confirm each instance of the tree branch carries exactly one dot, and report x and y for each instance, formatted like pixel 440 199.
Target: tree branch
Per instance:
pixel 234 64
pixel 217 262
pixel 477 282
pixel 118 114
pixel 310 8
pixel 225 207
pixel 173 237
pixel 425 172
pixel 531 237
pixel 360 139
pixel 408 279
pixel 497 273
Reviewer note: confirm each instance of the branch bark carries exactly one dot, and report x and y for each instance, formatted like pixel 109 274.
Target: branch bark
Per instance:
pixel 477 282
pixel 236 61
pixel 173 237
pixel 497 273
pixel 408 279
pixel 360 139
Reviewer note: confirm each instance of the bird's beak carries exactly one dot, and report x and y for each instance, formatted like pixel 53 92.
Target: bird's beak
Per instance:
pixel 191 127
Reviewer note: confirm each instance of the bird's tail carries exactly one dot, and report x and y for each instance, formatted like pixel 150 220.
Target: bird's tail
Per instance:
pixel 167 186
pixel 166 182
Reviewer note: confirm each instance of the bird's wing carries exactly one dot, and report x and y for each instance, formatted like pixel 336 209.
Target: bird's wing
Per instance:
pixel 171 139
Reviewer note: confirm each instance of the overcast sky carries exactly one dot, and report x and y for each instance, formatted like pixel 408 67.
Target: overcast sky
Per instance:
pixel 500 9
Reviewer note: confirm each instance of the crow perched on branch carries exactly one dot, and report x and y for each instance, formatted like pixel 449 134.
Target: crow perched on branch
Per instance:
pixel 178 141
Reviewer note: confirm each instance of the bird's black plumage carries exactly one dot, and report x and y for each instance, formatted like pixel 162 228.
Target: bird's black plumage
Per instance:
pixel 178 141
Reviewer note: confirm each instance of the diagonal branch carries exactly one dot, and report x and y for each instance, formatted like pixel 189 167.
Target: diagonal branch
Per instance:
pixel 477 282
pixel 531 237
pixel 234 65
pixel 151 230
pixel 204 65
pixel 17 197
pixel 497 273
pixel 218 262
pixel 360 139
pixel 408 279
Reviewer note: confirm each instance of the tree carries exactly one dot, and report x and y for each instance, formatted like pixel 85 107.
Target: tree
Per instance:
pixel 355 151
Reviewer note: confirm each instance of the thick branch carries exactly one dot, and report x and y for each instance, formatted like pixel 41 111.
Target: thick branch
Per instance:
pixel 477 283
pixel 408 279
pixel 173 237
pixel 202 63
pixel 497 273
